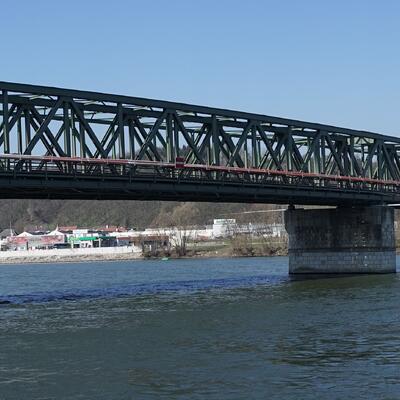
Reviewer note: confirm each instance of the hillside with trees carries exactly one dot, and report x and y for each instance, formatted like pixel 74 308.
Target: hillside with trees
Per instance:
pixel 47 214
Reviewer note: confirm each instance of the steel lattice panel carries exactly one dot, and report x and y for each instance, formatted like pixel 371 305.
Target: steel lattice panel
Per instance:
pixel 61 143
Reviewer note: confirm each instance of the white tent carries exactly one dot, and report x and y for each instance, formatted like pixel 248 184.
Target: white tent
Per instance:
pixel 55 233
pixel 24 234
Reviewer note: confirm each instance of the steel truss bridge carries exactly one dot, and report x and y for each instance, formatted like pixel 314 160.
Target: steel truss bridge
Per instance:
pixel 71 144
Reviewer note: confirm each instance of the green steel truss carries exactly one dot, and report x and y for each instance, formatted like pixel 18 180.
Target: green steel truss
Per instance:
pixel 60 143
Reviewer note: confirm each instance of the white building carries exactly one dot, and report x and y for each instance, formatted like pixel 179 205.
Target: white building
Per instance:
pixel 223 227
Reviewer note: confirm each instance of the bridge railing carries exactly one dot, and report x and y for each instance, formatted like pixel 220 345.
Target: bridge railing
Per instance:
pixel 81 168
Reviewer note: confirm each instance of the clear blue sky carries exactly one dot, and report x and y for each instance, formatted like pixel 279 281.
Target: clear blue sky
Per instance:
pixel 335 62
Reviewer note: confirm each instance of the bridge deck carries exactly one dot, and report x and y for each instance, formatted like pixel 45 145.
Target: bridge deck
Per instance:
pixel 60 143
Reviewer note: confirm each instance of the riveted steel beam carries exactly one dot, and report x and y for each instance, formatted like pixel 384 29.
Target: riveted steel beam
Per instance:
pixel 41 121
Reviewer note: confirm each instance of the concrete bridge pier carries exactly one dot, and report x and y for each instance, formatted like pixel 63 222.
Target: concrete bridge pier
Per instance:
pixel 341 240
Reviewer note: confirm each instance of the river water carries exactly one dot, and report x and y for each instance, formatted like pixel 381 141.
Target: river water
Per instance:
pixel 196 329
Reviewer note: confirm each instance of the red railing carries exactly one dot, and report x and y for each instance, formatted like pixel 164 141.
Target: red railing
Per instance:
pixel 179 165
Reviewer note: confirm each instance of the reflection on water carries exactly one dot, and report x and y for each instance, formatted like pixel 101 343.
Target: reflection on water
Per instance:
pixel 215 329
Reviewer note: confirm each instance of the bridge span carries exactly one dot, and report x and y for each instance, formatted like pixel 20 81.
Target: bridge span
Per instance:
pixel 60 143
pixel 72 144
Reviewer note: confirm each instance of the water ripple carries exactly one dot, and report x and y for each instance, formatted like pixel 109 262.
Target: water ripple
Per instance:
pixel 139 289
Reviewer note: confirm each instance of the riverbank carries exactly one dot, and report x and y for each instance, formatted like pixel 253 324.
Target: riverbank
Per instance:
pixel 125 253
pixel 70 255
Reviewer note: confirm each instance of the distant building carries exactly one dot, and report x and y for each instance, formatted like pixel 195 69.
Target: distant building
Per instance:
pixel 154 243
pixel 4 234
pixel 30 241
pixel 111 229
pixel 7 232
pixel 67 229
pixel 56 232
pixel 25 234
pixel 90 238
pixel 223 227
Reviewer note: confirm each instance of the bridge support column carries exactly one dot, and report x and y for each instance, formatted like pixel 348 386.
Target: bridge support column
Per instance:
pixel 341 240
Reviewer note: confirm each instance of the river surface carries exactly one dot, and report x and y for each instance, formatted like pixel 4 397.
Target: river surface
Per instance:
pixel 196 329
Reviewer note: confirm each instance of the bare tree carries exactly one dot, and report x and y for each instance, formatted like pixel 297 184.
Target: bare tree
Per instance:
pixel 182 229
pixel 241 240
